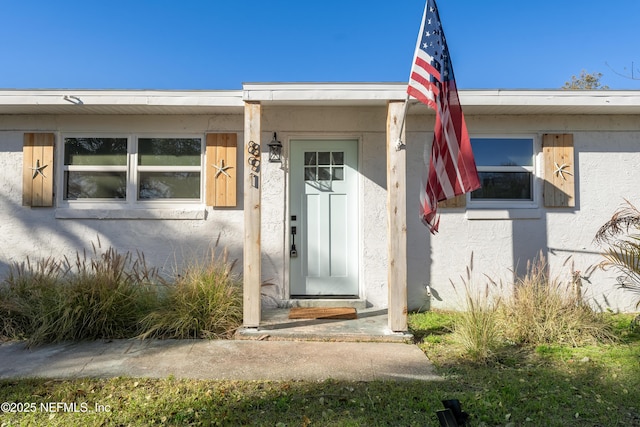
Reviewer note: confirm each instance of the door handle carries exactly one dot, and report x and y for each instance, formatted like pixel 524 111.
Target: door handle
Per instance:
pixel 293 253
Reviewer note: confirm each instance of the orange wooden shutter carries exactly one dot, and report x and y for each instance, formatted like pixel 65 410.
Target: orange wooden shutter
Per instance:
pixel 455 202
pixel 37 169
pixel 222 169
pixel 559 179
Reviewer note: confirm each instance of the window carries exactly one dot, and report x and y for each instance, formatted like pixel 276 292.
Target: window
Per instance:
pixel 324 165
pixel 132 169
pixel 95 168
pixel 169 168
pixel 506 169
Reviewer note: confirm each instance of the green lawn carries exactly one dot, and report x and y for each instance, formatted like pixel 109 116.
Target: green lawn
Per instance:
pixel 543 386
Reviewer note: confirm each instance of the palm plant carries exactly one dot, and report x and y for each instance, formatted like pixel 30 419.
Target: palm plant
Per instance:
pixel 621 235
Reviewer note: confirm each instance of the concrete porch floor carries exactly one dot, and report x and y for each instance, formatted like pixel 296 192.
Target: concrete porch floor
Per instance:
pixel 370 326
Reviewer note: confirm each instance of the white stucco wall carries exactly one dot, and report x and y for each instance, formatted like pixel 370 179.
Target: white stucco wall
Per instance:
pixel 606 173
pixel 607 151
pixel 35 232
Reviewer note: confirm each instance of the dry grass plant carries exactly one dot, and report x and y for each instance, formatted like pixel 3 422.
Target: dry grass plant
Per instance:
pixel 477 329
pixel 109 295
pixel 99 296
pixel 205 302
pixel 539 311
pixel 542 310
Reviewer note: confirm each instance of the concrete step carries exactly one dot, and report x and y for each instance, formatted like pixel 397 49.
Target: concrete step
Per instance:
pixel 359 304
pixel 370 326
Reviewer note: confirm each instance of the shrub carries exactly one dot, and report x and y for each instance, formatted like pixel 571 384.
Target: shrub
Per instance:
pixel 205 302
pixel 621 235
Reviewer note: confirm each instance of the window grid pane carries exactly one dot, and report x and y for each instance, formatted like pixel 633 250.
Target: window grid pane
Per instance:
pixel 330 166
pixel 169 151
pixel 95 185
pixel 504 186
pixel 95 151
pixel 503 151
pixel 169 185
pixel 309 158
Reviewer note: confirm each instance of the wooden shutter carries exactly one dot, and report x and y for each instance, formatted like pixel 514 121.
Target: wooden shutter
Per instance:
pixel 455 202
pixel 222 169
pixel 559 179
pixel 37 169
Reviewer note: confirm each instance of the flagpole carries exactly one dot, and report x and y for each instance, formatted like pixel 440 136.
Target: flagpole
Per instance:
pixel 399 144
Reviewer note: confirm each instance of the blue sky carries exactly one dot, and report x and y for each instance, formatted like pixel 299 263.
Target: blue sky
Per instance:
pixel 219 44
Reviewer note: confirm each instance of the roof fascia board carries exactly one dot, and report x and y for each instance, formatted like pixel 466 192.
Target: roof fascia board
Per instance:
pixel 550 98
pixel 121 98
pixel 337 92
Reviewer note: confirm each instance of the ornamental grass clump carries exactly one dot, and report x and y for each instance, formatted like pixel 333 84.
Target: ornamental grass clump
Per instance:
pixel 477 328
pixel 28 295
pixel 204 302
pixel 542 310
pixel 102 296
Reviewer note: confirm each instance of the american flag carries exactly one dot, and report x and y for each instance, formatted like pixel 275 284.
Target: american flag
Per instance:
pixel 452 168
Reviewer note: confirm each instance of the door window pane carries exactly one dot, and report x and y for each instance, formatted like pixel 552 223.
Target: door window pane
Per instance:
pixel 324 158
pixel 310 174
pixel 338 174
pixel 324 174
pixel 310 158
pixel 337 158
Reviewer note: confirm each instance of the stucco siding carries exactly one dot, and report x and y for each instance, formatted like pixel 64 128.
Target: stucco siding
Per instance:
pixel 606 149
pixel 166 244
pixel 606 174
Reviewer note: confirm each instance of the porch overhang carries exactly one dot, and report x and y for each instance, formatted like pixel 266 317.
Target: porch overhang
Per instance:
pixel 474 101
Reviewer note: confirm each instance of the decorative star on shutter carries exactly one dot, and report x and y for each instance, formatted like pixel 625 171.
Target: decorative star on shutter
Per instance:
pixel 561 170
pixel 222 169
pixel 220 178
pixel 38 170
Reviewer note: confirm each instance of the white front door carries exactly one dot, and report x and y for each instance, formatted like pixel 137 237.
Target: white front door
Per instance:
pixel 324 218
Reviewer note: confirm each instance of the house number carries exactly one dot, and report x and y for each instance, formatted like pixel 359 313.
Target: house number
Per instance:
pixel 254 162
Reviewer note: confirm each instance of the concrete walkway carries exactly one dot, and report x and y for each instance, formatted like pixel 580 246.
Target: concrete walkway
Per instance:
pixel 225 359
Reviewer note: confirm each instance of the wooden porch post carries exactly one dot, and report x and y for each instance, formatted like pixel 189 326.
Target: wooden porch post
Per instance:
pixel 252 194
pixel 397 218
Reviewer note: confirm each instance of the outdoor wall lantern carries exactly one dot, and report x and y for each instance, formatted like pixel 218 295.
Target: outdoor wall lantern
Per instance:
pixel 275 150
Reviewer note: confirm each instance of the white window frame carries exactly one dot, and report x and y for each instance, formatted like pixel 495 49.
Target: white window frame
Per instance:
pixel 132 169
pixel 534 169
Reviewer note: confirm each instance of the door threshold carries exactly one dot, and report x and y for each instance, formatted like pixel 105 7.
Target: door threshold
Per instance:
pixel 324 301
